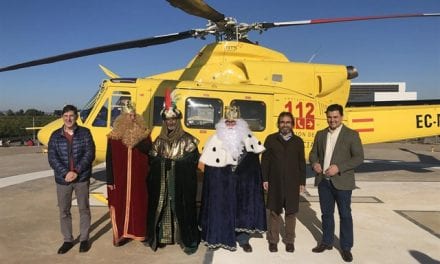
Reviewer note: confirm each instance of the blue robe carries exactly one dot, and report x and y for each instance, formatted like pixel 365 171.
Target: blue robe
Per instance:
pixel 232 201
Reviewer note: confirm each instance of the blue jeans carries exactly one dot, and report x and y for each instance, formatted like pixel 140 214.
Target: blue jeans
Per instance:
pixel 328 195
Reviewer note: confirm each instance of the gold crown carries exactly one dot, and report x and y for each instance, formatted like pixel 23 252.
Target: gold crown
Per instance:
pixel 232 112
pixel 128 107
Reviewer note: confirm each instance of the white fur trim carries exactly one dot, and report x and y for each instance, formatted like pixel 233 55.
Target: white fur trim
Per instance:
pixel 215 156
pixel 252 144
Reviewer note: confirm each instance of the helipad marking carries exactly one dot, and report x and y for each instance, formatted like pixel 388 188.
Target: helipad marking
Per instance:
pixel 17 179
pixel 100 197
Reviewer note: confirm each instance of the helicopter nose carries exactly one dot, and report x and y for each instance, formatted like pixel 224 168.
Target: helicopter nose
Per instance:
pixel 45 133
pixel 352 72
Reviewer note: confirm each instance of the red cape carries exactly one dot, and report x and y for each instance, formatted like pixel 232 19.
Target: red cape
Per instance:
pixel 128 202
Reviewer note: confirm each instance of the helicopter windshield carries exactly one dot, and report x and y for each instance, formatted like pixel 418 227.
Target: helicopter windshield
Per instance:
pixel 85 111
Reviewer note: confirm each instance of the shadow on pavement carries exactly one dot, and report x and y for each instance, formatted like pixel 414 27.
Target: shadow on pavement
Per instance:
pixel 422 257
pixel 309 218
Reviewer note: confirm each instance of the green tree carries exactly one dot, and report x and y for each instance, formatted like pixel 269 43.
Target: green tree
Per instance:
pixel 33 112
pixel 15 126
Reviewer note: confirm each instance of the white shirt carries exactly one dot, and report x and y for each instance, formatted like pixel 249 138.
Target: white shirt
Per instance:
pixel 332 137
pixel 286 137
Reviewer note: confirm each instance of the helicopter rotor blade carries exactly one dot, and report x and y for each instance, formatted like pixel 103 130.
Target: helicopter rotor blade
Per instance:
pixel 140 43
pixel 198 8
pixel 267 25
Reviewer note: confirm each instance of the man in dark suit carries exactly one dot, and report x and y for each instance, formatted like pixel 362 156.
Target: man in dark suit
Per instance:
pixel 284 174
pixel 336 152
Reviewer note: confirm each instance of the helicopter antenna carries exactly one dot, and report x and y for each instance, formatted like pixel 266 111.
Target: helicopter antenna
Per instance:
pixel 314 54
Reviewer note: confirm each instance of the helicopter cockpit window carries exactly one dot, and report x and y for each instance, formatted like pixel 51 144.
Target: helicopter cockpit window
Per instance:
pixel 203 112
pixel 85 111
pixel 101 117
pixel 119 98
pixel 254 112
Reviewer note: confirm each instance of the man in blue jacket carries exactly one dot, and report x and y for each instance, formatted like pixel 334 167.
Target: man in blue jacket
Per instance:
pixel 71 154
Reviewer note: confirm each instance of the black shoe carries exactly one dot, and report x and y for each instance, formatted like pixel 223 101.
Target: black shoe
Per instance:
pixel 246 247
pixel 290 247
pixel 273 247
pixel 190 250
pixel 347 256
pixel 84 246
pixel 161 245
pixel 321 248
pixel 66 246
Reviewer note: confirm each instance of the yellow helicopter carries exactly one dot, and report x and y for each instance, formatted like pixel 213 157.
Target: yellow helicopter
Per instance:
pixel 235 71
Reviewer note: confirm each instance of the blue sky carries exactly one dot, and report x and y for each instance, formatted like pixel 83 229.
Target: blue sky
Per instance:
pixel 404 50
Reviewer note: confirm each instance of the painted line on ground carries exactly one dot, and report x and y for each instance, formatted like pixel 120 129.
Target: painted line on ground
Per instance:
pixel 21 178
pixel 17 179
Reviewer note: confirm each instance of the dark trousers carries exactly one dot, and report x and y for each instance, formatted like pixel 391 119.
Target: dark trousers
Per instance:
pixel 64 195
pixel 328 195
pixel 275 222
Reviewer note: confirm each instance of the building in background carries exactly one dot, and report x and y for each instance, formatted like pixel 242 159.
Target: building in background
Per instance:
pixel 379 92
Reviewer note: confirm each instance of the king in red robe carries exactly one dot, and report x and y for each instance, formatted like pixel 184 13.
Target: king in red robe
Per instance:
pixel 127 170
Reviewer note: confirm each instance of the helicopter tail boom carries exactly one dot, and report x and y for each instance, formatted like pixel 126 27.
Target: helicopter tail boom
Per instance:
pixel 391 121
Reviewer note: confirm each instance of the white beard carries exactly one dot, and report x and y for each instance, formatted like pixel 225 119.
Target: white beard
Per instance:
pixel 232 138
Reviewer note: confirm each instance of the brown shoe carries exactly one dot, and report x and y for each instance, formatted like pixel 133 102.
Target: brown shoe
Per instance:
pixel 347 256
pixel 321 248
pixel 290 247
pixel 273 247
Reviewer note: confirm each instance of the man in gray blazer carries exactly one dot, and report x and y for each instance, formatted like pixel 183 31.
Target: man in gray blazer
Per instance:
pixel 336 152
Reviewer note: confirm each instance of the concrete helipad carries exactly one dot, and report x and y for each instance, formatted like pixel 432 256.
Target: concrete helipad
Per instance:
pixel 396 213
